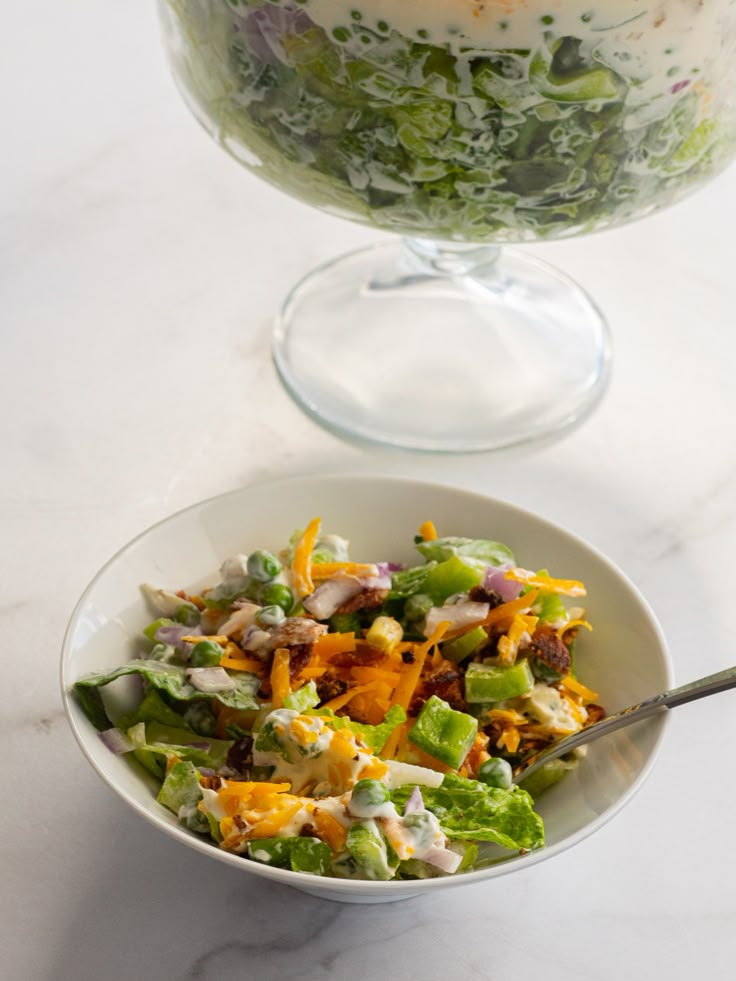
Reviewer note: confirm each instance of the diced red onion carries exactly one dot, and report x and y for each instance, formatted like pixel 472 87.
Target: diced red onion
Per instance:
pixel 206 747
pixel 380 581
pixel 210 680
pixel 678 86
pixel 241 619
pixel 173 634
pixel 415 803
pixel 265 27
pixel 496 580
pixel 441 858
pixel 116 741
pixel 331 594
pixel 458 615
pixel 255 640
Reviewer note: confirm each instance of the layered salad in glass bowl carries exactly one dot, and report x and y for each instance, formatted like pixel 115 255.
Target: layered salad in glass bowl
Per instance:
pixel 465 122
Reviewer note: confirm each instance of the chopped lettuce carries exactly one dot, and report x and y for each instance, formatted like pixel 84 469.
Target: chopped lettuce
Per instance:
pixel 442 549
pixel 181 793
pixel 375 737
pixel 408 582
pixel 168 678
pixel 300 854
pixel 153 709
pixel 468 809
pixel 164 743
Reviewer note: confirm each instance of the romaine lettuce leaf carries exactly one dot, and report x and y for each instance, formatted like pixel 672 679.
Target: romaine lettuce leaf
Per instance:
pixel 468 809
pixel 163 743
pixel 169 678
pixel 407 582
pixel 181 793
pixel 153 709
pixel 375 737
pixel 298 854
pixel 442 549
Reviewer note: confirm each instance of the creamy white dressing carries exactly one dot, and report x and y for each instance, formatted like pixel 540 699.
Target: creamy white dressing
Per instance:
pixel 647 39
pixel 550 709
pixel 305 759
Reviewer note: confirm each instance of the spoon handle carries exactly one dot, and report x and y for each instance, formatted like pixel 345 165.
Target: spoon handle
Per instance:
pixel 714 683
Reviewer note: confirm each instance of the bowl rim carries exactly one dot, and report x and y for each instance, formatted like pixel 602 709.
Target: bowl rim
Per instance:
pixel 366 887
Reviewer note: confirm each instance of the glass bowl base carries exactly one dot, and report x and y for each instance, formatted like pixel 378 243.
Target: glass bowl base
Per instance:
pixel 450 349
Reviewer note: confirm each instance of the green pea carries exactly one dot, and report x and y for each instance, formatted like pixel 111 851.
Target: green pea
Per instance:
pixel 423 826
pixel 188 614
pixel 276 594
pixel 270 616
pixel 344 623
pixel 368 795
pixel 206 654
pixel 417 607
pixel 496 773
pixel 263 566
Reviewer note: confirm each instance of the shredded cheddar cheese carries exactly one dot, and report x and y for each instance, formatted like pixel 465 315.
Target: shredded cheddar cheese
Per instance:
pixel 302 563
pixel 575 686
pixel 428 531
pixel 325 570
pixel 566 587
pixel 280 681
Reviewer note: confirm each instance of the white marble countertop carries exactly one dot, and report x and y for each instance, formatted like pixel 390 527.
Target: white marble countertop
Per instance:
pixel 140 272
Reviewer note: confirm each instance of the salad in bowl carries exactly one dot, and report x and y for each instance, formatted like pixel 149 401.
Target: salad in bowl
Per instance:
pixel 351 716
pixel 439 664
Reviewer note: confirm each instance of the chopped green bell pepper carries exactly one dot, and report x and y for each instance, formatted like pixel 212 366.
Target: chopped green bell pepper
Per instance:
pixel 496 682
pixel 456 575
pixel 444 733
pixel 457 650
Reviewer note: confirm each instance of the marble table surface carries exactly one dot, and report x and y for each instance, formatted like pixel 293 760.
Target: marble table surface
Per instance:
pixel 140 273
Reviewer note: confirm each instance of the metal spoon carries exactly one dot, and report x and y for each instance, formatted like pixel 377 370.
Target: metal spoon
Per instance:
pixel 711 685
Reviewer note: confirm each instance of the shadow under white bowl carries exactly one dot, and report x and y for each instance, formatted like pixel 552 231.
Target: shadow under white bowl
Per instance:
pixel 625 659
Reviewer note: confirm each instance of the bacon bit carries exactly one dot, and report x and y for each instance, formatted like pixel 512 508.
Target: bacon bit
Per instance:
pixel 361 658
pixel 368 599
pixel 428 531
pixel 595 714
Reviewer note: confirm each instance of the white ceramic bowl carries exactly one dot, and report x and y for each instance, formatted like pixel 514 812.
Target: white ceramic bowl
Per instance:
pixel 624 659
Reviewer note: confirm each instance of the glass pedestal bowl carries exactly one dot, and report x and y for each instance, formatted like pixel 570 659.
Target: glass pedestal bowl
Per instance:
pixel 464 126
